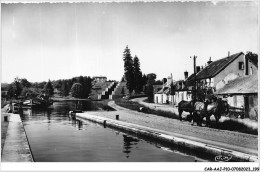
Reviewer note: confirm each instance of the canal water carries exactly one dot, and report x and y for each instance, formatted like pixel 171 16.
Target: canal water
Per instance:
pixel 55 137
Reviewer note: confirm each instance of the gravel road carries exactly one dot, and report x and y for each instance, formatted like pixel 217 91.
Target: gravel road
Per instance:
pixel 227 139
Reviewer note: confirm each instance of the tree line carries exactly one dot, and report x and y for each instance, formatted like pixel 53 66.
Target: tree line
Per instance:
pixel 80 87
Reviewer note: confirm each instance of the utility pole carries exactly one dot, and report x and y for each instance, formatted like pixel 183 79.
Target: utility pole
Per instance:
pixel 195 85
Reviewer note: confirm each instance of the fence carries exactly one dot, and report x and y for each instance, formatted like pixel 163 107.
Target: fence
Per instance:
pixel 236 112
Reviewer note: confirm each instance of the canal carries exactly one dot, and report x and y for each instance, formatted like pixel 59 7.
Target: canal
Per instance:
pixel 55 137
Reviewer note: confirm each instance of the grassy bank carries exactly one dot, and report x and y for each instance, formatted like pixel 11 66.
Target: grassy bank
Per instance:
pixel 228 124
pixel 136 107
pixel 101 105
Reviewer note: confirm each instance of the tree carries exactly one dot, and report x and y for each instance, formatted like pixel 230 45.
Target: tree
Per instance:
pixel 57 84
pixel 49 88
pixel 29 92
pixel 76 90
pixel 137 75
pixel 25 83
pixel 151 80
pixel 86 86
pixel 80 80
pixel 252 56
pixel 10 91
pixel 129 70
pixel 64 88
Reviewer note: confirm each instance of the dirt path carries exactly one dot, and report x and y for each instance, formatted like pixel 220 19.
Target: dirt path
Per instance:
pixel 239 141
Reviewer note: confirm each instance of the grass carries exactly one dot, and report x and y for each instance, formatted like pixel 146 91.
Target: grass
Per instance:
pixel 229 124
pixel 136 107
pixel 101 105
pixel 232 125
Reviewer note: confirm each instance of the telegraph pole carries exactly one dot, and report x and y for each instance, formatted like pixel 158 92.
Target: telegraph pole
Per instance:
pixel 195 85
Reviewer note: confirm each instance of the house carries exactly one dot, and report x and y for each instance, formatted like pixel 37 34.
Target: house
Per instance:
pixel 183 88
pixel 220 72
pixel 242 92
pixel 99 79
pixel 163 94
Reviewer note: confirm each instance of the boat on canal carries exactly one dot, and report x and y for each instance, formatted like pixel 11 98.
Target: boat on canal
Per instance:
pixel 40 101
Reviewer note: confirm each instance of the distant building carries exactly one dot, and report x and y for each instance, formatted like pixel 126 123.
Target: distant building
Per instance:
pixel 99 79
pixel 183 89
pixel 163 93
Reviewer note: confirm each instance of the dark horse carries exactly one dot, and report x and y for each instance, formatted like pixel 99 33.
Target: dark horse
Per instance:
pixel 186 106
pixel 199 110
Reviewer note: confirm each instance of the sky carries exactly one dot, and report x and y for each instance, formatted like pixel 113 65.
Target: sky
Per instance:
pixel 63 40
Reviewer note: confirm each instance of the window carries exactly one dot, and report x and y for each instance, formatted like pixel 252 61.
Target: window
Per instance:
pixel 241 65
pixel 251 70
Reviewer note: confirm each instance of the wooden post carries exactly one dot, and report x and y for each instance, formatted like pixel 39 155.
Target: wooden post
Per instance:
pixel 195 85
pixel 117 117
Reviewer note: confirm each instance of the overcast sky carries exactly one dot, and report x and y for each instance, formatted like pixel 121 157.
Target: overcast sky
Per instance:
pixel 64 40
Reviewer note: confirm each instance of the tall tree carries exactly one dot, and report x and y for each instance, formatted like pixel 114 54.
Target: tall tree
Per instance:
pixel 129 70
pixel 17 87
pixel 86 86
pixel 80 80
pixel 49 88
pixel 137 75
pixel 76 90
pixel 64 88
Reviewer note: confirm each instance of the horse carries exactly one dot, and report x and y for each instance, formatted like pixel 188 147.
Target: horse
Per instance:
pixel 206 109
pixel 186 106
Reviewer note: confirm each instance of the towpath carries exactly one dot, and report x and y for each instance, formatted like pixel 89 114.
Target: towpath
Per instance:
pixel 245 143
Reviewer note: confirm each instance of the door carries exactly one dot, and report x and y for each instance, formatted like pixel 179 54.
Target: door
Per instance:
pixel 246 101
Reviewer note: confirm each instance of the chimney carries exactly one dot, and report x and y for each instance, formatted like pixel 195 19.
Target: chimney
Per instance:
pixel 228 53
pixel 186 74
pixel 201 67
pixel 209 60
pixel 197 69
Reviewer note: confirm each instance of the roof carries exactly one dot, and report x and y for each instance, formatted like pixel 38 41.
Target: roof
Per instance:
pixel 216 66
pixel 99 77
pixel 164 90
pixel 254 60
pixel 190 80
pixel 241 85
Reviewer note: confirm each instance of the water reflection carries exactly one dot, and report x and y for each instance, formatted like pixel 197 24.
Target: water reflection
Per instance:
pixel 55 137
pixel 128 144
